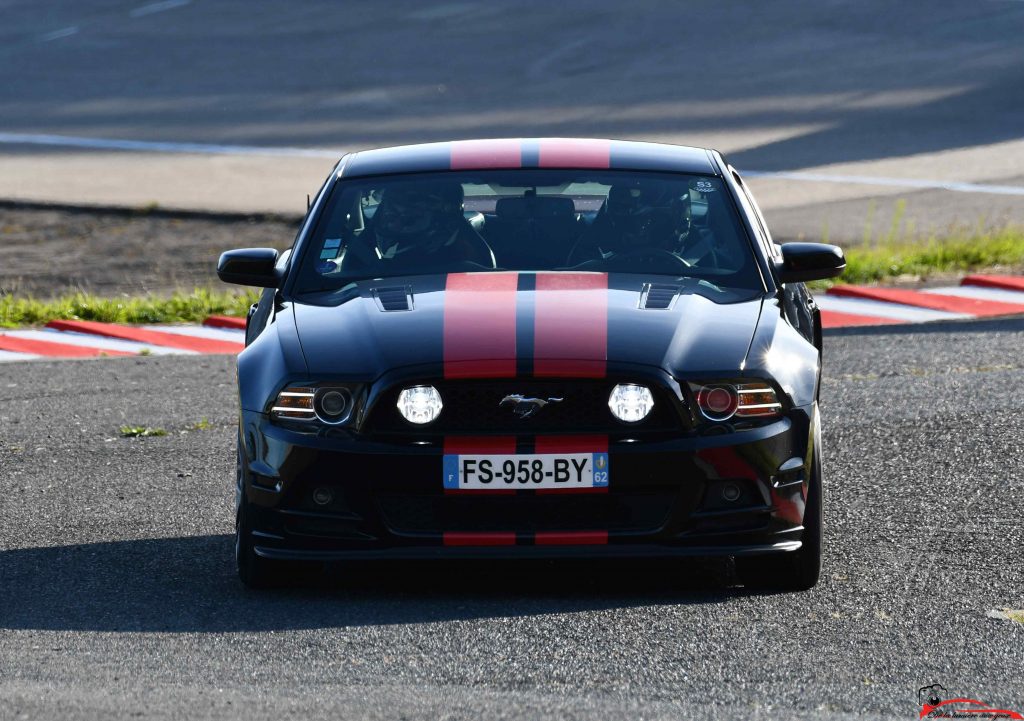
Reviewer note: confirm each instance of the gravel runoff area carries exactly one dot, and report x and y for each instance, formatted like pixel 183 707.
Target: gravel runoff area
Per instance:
pixel 50 251
pixel 118 596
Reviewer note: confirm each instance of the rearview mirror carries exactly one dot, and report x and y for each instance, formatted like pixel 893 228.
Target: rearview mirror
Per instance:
pixel 249 266
pixel 810 261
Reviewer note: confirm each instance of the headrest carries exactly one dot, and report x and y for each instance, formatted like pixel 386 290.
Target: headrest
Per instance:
pixel 449 193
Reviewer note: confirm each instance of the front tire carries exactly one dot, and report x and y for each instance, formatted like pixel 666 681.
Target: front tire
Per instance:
pixel 253 570
pixel 797 570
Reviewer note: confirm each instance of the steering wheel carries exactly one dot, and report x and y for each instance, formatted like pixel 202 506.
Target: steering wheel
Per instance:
pixel 654 256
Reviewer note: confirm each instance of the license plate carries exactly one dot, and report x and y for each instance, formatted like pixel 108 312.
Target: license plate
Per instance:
pixel 539 470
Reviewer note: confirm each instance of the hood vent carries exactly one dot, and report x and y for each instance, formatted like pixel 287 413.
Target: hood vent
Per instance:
pixel 393 298
pixel 657 296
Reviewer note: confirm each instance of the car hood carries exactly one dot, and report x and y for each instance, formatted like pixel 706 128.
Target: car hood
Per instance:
pixel 541 324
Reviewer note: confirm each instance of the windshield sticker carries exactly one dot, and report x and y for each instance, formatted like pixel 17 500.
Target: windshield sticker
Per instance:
pixel 326 266
pixel 332 243
pixel 704 186
pixel 328 254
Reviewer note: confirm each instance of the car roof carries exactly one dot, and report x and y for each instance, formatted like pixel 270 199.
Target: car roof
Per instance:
pixel 510 153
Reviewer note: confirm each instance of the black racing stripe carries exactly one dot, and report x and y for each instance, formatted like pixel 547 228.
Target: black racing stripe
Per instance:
pixel 632 155
pixel 526 310
pixel 531 153
pixel 627 338
pixel 403 159
pixel 525 445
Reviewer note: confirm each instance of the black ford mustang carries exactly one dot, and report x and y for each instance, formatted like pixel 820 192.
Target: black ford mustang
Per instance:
pixel 532 348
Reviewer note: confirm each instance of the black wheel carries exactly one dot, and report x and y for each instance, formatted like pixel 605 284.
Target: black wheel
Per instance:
pixel 797 570
pixel 253 570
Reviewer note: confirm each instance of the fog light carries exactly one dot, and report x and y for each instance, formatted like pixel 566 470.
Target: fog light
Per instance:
pixel 630 403
pixel 730 492
pixel 420 404
pixel 322 496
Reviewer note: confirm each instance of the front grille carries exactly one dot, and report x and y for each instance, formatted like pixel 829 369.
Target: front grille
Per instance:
pixel 526 513
pixel 475 406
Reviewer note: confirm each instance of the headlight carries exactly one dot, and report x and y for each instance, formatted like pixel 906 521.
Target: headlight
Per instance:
pixel 420 404
pixel 630 403
pixel 721 401
pixel 717 403
pixel 333 405
pixel 328 404
pixel 296 403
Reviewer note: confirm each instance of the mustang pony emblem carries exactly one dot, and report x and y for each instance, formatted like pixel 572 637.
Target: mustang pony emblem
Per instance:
pixel 525 407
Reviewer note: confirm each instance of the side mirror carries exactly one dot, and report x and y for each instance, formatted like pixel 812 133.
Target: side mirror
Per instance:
pixel 249 266
pixel 810 261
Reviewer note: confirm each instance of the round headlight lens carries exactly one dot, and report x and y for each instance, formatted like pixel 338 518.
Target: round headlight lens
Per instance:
pixel 420 404
pixel 333 405
pixel 717 403
pixel 630 403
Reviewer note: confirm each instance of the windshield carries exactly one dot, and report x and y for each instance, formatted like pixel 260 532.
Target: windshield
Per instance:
pixel 534 220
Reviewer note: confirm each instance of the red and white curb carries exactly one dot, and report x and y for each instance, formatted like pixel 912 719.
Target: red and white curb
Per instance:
pixel 977 296
pixel 89 339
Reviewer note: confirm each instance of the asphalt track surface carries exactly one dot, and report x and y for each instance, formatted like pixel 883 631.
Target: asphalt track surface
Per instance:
pixel 900 92
pixel 118 597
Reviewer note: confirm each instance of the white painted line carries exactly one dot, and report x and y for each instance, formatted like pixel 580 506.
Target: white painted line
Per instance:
pixel 893 182
pixel 58 34
pixel 201 331
pixel 72 141
pixel 88 340
pixel 981 293
pixel 157 7
pixel 7 356
pixel 881 309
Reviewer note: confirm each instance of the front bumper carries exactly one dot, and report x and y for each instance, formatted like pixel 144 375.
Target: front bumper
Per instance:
pixel 666 497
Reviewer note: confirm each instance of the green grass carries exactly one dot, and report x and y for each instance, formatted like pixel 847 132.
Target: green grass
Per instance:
pixel 894 253
pixel 141 431
pixel 181 307
pixel 891 256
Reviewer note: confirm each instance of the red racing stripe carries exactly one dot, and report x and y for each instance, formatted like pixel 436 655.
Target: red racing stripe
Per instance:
pixel 482 445
pixel 480 325
pixel 570 444
pixel 54 350
pixel 935 301
pixel 565 153
pixel 458 538
pixel 571 325
pixel 476 154
pixel 571 538
pixel 152 337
